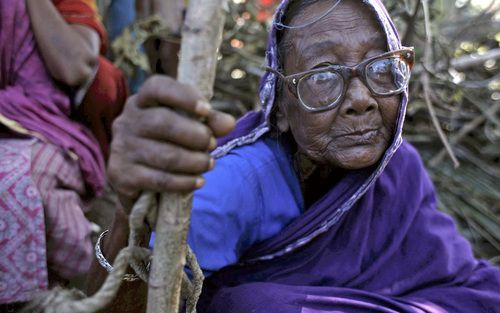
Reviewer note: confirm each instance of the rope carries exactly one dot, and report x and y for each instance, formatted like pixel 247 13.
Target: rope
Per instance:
pixel 197 281
pixel 59 300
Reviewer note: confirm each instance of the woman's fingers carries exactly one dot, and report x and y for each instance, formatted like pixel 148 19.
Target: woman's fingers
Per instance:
pixel 220 123
pixel 140 177
pixel 160 181
pixel 170 158
pixel 166 125
pixel 158 113
pixel 164 91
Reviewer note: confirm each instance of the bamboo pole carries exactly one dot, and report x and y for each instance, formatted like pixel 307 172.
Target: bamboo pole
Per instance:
pixel 201 37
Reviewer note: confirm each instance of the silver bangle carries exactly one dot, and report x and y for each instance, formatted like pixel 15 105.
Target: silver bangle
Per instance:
pixel 104 263
pixel 98 253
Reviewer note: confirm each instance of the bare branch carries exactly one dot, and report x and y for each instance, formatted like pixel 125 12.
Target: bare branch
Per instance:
pixel 426 84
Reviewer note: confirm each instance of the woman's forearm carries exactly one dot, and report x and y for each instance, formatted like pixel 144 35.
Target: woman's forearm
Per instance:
pixel 70 52
pixel 131 297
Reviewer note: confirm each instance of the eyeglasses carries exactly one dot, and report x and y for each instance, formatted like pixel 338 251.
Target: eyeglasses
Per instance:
pixel 324 88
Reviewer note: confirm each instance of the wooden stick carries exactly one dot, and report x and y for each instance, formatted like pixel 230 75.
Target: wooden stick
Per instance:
pixel 201 37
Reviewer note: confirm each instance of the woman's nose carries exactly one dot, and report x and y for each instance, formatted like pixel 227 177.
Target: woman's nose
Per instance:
pixel 358 100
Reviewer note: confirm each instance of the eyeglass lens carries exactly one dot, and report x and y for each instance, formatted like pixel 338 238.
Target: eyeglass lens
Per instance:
pixel 386 76
pixel 320 90
pixel 324 89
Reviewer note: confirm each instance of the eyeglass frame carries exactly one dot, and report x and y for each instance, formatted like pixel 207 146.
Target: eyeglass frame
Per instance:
pixel 347 73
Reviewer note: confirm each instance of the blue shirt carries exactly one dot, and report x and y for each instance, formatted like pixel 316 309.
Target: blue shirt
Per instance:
pixel 250 196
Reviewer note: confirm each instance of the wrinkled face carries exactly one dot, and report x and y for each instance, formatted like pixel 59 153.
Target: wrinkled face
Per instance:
pixel 356 133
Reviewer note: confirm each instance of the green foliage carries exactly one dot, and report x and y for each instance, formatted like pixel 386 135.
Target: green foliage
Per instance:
pixel 465 95
pixel 126 49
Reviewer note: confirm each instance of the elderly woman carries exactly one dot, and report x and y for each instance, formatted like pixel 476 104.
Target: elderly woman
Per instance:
pixel 315 204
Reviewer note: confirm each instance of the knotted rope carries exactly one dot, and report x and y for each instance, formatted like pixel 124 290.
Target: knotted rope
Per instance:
pixel 59 300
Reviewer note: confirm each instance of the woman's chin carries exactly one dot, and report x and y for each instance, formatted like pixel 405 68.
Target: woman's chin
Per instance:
pixel 356 157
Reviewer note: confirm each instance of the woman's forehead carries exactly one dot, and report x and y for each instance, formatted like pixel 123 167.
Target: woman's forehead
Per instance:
pixel 351 30
pixel 308 10
pixel 348 16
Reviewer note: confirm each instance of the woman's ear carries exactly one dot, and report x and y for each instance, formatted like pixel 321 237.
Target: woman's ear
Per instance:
pixel 281 119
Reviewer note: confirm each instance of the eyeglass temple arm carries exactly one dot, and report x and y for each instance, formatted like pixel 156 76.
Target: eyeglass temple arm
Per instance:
pixel 272 70
pixel 412 58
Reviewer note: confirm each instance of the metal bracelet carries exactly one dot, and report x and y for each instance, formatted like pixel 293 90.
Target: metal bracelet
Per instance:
pixel 104 263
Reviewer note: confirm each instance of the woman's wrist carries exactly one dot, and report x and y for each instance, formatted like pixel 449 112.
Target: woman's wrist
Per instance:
pixel 119 231
pixel 120 219
pixel 117 236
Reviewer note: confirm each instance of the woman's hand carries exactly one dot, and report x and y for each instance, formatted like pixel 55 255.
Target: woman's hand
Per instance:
pixel 159 142
pixel 70 51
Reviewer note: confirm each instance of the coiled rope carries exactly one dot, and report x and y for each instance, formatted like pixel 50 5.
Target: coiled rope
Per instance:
pixel 59 300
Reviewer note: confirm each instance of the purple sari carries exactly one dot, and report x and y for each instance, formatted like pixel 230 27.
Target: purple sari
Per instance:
pixel 30 101
pixel 374 243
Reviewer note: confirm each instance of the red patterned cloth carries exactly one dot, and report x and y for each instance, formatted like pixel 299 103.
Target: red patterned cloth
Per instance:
pixel 22 226
pixel 40 210
pixel 59 181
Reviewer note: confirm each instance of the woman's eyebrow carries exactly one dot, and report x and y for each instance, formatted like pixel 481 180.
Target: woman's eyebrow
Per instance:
pixel 316 49
pixel 323 64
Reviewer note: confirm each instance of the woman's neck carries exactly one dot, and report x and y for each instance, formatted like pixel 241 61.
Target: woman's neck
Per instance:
pixel 315 179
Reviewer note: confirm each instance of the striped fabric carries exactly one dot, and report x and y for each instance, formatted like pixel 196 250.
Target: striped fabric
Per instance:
pixel 40 202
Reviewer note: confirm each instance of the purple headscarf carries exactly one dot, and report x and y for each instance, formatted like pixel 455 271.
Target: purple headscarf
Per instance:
pixel 375 242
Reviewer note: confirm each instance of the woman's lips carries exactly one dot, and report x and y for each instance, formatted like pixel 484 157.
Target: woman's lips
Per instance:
pixel 360 137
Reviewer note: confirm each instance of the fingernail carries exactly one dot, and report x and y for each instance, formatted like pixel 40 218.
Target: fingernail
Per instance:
pixel 202 108
pixel 213 143
pixel 200 181
pixel 211 163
